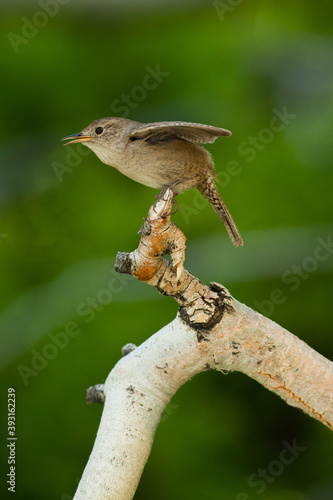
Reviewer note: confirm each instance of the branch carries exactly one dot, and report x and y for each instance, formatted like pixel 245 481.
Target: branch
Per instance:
pixel 211 331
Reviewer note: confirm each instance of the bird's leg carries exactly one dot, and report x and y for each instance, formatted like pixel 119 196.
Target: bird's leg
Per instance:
pixel 160 195
pixel 145 228
pixel 174 203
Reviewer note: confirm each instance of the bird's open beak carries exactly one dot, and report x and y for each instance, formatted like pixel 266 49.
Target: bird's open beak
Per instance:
pixel 77 138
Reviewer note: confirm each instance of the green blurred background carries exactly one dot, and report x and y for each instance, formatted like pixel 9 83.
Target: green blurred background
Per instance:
pixel 65 313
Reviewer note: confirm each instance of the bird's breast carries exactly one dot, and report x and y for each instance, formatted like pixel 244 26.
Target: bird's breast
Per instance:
pixel 163 164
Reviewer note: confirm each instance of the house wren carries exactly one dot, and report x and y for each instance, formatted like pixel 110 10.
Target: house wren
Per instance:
pixel 160 155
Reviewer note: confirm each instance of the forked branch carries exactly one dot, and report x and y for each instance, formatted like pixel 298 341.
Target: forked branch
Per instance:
pixel 211 331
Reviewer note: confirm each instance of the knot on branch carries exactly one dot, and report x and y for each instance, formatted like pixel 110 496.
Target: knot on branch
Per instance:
pixel 201 306
pixel 215 306
pixel 95 394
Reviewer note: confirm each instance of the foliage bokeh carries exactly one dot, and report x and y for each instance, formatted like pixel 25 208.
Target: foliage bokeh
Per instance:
pixel 64 216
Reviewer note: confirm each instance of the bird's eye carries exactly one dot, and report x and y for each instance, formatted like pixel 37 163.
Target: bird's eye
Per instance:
pixel 99 130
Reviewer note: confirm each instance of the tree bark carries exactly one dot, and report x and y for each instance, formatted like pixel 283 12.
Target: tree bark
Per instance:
pixel 211 331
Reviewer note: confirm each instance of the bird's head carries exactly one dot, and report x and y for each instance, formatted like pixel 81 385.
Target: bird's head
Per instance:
pixel 105 137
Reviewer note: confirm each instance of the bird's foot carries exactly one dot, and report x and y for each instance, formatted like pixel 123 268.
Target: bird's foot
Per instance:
pixel 160 195
pixel 174 204
pixel 145 228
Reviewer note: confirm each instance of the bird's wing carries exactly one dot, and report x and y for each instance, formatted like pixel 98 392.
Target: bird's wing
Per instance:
pixel 193 132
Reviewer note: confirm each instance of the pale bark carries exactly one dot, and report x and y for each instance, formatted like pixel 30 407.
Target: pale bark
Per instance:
pixel 211 331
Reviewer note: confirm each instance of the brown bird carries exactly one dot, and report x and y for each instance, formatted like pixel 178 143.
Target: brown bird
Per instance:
pixel 160 155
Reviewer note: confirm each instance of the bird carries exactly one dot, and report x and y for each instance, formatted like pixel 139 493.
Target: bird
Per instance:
pixel 160 155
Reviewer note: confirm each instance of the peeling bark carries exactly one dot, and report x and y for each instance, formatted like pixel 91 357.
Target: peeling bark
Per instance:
pixel 201 306
pixel 211 331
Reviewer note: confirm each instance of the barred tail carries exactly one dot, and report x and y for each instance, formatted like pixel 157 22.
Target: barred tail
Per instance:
pixel 210 192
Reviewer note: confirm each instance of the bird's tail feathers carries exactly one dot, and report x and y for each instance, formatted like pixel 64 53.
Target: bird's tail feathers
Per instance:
pixel 210 192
